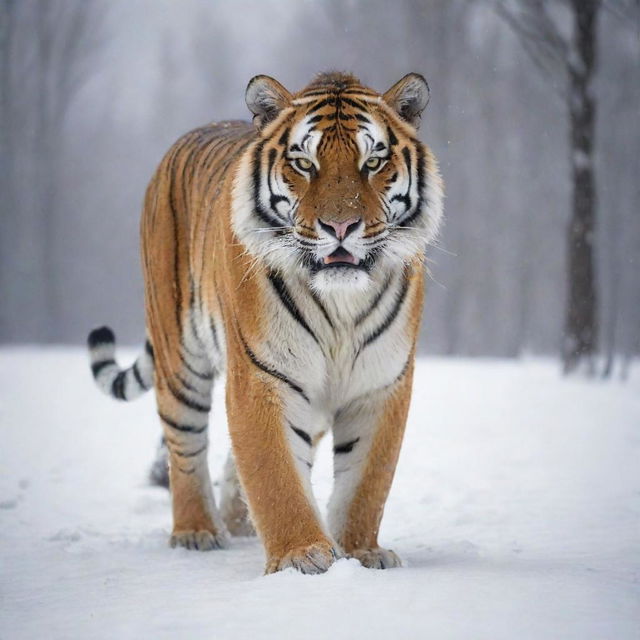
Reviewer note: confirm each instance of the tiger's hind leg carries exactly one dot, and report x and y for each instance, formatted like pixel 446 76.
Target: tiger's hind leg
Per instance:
pixel 233 503
pixel 159 472
pixel 184 402
pixel 178 328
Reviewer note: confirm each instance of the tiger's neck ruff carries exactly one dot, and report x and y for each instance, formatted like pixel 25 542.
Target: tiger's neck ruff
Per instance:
pixel 290 253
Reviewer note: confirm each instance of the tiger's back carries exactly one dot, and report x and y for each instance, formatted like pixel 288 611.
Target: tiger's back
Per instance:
pixel 179 214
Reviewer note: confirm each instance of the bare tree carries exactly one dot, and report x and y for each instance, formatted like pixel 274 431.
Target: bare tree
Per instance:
pixel 48 49
pixel 569 63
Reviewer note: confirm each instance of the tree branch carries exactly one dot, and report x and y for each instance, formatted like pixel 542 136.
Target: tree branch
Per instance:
pixel 627 11
pixel 540 38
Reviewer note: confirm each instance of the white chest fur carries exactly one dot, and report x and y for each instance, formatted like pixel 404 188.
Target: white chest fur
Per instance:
pixel 338 348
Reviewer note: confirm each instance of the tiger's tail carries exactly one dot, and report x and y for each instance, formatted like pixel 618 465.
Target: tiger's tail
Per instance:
pixel 122 384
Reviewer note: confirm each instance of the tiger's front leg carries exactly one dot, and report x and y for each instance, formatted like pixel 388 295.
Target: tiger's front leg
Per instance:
pixel 275 477
pixel 367 438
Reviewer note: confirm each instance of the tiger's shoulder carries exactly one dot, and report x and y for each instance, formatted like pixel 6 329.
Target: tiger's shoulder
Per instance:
pixel 204 152
pixel 193 170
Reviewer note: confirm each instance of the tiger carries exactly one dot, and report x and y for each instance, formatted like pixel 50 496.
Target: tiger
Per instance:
pixel 289 254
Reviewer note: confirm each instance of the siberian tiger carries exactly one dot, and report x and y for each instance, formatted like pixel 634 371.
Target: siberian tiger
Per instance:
pixel 290 253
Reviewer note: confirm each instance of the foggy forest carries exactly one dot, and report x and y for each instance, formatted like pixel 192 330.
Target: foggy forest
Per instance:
pixel 515 502
pixel 95 92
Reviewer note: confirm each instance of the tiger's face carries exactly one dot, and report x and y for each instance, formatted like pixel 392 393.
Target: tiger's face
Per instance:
pixel 337 188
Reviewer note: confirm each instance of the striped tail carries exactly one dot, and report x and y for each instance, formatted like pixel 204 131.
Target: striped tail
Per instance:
pixel 122 384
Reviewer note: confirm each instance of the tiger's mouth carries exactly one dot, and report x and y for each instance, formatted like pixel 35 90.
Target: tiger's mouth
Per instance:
pixel 340 258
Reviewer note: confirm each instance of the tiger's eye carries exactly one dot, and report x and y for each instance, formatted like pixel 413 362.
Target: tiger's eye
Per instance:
pixel 373 163
pixel 304 164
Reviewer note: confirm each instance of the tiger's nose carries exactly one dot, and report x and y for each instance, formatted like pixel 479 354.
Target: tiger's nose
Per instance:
pixel 340 229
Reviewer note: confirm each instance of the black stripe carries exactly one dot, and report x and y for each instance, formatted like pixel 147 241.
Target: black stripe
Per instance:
pixel 319 92
pixel 192 319
pixel 117 386
pixel 188 386
pixel 270 370
pixel 149 349
pixel 319 105
pixel 182 454
pixel 184 181
pixel 303 434
pixel 192 404
pixel 392 315
pixel 406 154
pixel 420 185
pixel 97 367
pixel 365 314
pixel 325 313
pixel 406 197
pixel 354 103
pixel 403 372
pixel 214 333
pixel 303 460
pixel 392 137
pixel 261 212
pixel 138 377
pixel 212 153
pixel 184 428
pixel 345 447
pixel 177 290
pixel 198 374
pixel 274 199
pixel 187 472
pixel 100 337
pixel 287 300
pixel 187 350
pixel 284 138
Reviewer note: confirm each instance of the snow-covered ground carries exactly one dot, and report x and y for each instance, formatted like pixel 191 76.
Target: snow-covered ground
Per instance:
pixel 516 508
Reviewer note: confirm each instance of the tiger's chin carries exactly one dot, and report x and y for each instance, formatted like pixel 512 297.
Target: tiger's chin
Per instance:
pixel 340 279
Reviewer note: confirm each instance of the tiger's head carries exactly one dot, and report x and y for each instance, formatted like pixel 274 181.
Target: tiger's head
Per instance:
pixel 337 187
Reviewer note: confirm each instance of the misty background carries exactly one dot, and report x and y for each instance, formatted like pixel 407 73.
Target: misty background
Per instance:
pixel 95 92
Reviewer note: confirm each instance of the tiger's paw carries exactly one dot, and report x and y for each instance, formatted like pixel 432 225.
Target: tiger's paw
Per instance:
pixel 241 527
pixel 236 516
pixel 314 558
pixel 202 540
pixel 376 558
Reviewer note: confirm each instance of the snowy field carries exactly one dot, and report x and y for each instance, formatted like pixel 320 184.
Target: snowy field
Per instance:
pixel 516 508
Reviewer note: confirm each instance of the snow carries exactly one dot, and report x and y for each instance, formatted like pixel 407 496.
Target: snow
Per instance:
pixel 516 508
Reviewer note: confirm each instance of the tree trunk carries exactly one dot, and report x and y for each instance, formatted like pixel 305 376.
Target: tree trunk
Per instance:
pixel 581 329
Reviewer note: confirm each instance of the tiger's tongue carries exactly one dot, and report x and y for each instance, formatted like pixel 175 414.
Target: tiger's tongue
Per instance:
pixel 341 255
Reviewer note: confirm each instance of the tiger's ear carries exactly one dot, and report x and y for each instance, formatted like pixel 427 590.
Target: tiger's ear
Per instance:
pixel 265 98
pixel 408 98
